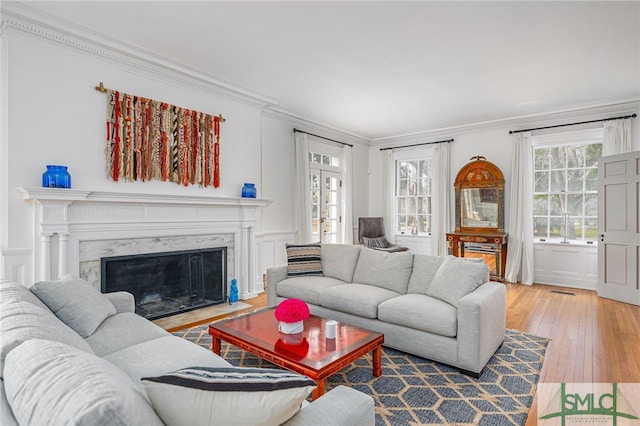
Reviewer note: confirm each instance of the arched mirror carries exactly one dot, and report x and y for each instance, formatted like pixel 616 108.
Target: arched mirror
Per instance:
pixel 479 189
pixel 480 197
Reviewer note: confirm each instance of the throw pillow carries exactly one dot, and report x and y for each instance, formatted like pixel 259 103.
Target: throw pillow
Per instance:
pixel 50 383
pixel 382 269
pixel 377 242
pixel 227 396
pixel 456 278
pixel 75 302
pixel 339 261
pixel 424 269
pixel 22 321
pixel 304 259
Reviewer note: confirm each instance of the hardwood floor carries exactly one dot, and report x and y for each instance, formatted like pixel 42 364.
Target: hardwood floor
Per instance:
pixel 207 315
pixel 592 339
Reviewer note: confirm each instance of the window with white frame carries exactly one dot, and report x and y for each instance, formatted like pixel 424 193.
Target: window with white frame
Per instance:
pixel 413 197
pixel 565 186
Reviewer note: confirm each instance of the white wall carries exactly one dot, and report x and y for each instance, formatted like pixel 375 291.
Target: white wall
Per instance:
pixel 51 114
pixel 279 174
pixel 55 116
pixel 574 266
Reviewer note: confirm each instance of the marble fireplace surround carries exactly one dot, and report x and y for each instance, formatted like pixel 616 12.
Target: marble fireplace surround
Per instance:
pixel 74 228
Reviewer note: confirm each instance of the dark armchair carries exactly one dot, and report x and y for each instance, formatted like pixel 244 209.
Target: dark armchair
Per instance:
pixel 371 234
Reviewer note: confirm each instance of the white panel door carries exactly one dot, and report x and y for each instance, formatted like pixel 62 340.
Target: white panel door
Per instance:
pixel 619 227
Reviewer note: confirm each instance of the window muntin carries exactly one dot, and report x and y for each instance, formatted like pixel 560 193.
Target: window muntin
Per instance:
pixel 324 161
pixel 566 181
pixel 413 197
pixel 325 197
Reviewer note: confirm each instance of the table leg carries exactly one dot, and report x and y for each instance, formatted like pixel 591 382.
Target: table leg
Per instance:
pixel 377 361
pixel 498 258
pixel 455 248
pixel 503 260
pixel 318 391
pixel 216 345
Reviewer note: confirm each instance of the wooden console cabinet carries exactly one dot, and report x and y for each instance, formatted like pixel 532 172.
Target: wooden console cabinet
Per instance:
pixel 457 240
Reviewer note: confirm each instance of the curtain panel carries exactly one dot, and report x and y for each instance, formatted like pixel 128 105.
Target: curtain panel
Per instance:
pixel 617 137
pixel 519 266
pixel 303 189
pixel 388 191
pixel 346 166
pixel 441 212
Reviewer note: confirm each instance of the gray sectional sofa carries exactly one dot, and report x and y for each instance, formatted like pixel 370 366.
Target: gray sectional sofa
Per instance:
pixel 440 308
pixel 71 355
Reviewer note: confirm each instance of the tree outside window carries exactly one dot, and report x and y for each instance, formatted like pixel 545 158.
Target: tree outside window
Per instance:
pixel 413 197
pixel 566 181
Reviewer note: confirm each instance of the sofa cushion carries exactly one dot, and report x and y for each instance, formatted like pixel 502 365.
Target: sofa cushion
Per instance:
pixel 386 270
pixel 456 278
pixel 162 355
pixel 11 292
pixel 424 269
pixel 22 321
pixel 75 302
pixel 50 383
pixel 339 261
pixel 421 312
pixel 250 396
pixel 304 260
pixel 307 288
pixel 357 299
pixel 121 331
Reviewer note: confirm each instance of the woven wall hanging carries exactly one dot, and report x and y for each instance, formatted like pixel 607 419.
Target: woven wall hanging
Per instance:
pixel 148 139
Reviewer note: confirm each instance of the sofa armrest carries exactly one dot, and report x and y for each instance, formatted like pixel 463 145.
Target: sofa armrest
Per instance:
pixel 481 325
pixel 275 274
pixel 342 406
pixel 122 300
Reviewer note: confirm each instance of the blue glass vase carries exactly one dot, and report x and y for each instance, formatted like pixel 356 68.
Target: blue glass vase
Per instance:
pixel 56 177
pixel 249 190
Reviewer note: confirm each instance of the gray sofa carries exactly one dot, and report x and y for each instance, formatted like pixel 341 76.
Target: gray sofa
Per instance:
pixel 65 364
pixel 440 308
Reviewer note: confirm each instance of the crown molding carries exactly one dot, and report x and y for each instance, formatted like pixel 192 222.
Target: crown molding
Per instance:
pixel 16 16
pixel 622 107
pixel 297 120
pixel 19 16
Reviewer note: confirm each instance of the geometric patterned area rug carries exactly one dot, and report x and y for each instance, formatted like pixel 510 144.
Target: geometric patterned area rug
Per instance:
pixel 416 391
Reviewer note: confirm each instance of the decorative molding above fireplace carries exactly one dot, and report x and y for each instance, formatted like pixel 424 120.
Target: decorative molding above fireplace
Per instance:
pixel 66 219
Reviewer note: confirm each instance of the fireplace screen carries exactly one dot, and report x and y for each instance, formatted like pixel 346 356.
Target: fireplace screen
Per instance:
pixel 164 284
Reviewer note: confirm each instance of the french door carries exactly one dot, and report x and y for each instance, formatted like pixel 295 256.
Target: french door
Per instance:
pixel 325 206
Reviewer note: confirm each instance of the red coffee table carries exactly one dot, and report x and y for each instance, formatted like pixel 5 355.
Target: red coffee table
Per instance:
pixel 309 353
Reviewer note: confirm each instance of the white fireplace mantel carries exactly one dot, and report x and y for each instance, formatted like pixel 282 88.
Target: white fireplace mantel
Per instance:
pixel 71 195
pixel 65 218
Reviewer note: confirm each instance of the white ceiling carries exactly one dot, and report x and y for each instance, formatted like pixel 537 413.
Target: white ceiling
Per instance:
pixel 379 69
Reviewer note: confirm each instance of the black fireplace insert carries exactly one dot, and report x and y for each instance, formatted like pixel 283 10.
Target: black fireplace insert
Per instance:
pixel 168 283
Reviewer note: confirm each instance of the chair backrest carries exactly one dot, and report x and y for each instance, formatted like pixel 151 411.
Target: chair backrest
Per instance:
pixel 371 227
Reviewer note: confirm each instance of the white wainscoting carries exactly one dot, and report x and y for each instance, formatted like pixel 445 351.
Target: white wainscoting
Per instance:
pixel 417 245
pixel 18 264
pixel 566 265
pixel 272 248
